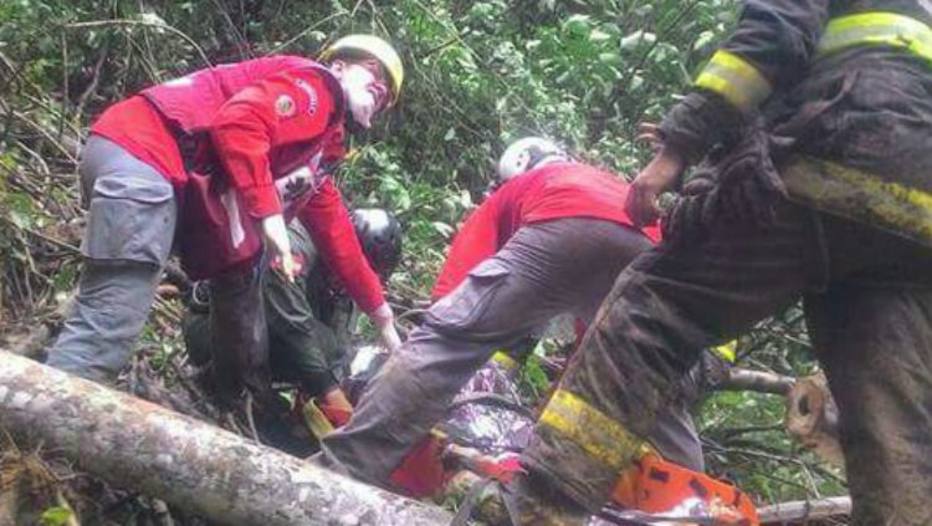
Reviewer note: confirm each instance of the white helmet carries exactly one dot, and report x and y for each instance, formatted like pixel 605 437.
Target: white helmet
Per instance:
pixel 527 153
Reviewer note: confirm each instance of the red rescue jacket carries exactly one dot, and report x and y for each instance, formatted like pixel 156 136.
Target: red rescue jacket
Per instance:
pixel 553 191
pixel 251 124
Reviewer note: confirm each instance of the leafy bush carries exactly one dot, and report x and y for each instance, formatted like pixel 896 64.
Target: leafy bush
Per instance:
pixel 479 74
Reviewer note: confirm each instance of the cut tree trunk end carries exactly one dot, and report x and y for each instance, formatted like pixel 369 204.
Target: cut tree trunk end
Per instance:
pixel 812 418
pixel 199 468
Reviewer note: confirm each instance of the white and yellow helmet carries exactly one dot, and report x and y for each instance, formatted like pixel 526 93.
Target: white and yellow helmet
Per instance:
pixel 375 47
pixel 527 153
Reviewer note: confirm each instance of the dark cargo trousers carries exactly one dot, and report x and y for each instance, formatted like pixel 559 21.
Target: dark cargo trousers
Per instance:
pixel 302 348
pixel 868 301
pixel 545 269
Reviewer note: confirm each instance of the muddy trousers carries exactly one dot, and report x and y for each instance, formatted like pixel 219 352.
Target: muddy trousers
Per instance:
pixel 868 302
pixel 544 270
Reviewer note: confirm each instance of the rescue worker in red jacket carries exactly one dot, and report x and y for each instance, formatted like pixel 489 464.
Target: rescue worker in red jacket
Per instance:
pixel 216 162
pixel 816 119
pixel 549 241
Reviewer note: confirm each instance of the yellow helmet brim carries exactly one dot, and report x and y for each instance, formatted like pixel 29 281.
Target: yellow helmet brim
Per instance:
pixel 378 49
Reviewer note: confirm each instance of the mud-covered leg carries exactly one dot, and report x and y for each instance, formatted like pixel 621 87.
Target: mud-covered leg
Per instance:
pixel 876 347
pixel 668 304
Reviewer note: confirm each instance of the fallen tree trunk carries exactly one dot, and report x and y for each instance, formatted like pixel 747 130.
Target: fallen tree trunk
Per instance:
pixel 805 510
pixel 200 468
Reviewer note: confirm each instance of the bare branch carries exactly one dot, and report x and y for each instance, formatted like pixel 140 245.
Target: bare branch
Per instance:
pixel 141 23
pixel 805 510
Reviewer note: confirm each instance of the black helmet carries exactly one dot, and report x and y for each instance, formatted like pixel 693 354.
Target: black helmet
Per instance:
pixel 379 233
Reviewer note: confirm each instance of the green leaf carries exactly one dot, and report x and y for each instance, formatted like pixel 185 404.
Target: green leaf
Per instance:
pixel 613 59
pixel 443 229
pixel 597 35
pixel 57 516
pixel 577 25
pixel 635 39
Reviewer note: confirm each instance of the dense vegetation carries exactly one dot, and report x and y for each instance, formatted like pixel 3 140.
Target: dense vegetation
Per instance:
pixel 479 73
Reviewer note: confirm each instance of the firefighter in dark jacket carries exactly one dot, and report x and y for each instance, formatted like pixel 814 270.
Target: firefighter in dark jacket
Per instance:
pixel 813 128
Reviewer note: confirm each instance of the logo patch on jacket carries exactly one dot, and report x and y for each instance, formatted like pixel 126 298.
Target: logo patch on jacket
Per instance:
pixel 284 106
pixel 312 101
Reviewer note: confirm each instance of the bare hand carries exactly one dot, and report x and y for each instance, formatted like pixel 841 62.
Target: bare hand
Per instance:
pixel 650 133
pixel 276 238
pixel 660 175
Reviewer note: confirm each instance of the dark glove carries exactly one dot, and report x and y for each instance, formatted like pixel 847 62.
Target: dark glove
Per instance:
pixel 741 187
pixel 749 184
pixel 685 222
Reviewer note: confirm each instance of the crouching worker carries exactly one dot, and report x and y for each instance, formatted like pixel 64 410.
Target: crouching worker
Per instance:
pixel 224 157
pixel 310 320
pixel 550 240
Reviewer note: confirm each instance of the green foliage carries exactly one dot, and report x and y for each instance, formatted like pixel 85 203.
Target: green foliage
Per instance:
pixel 533 380
pixel 57 516
pixel 479 74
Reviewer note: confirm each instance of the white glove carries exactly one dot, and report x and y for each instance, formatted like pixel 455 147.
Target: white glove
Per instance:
pixel 384 319
pixel 276 237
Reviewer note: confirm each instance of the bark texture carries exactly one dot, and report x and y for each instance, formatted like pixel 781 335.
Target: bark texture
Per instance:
pixel 200 468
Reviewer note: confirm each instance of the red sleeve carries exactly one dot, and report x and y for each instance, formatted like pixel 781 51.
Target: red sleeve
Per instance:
pixel 328 222
pixel 273 111
pixel 334 150
pixel 477 240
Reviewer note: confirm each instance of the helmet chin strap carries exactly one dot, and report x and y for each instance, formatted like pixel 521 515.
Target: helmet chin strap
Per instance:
pixel 545 159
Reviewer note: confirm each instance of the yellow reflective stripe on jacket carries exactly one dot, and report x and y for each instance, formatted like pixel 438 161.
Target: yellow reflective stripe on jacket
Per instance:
pixel 861 196
pixel 877 29
pixel 735 79
pixel 502 358
pixel 598 435
pixel 727 351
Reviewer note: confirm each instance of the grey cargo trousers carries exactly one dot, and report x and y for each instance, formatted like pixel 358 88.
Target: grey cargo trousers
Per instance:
pixel 132 213
pixel 545 269
pixel 130 228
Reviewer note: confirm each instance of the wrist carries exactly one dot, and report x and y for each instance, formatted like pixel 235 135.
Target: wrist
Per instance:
pixel 382 315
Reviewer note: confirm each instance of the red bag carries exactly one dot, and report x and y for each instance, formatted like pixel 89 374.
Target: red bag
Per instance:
pixel 216 235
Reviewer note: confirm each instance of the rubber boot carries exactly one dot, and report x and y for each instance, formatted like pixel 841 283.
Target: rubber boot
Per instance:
pixel 422 473
pixel 336 407
pixel 315 419
pixel 325 413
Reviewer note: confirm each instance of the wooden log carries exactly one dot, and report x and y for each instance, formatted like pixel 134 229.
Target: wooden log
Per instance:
pixel 738 379
pixel 141 446
pixel 796 512
pixel 812 418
